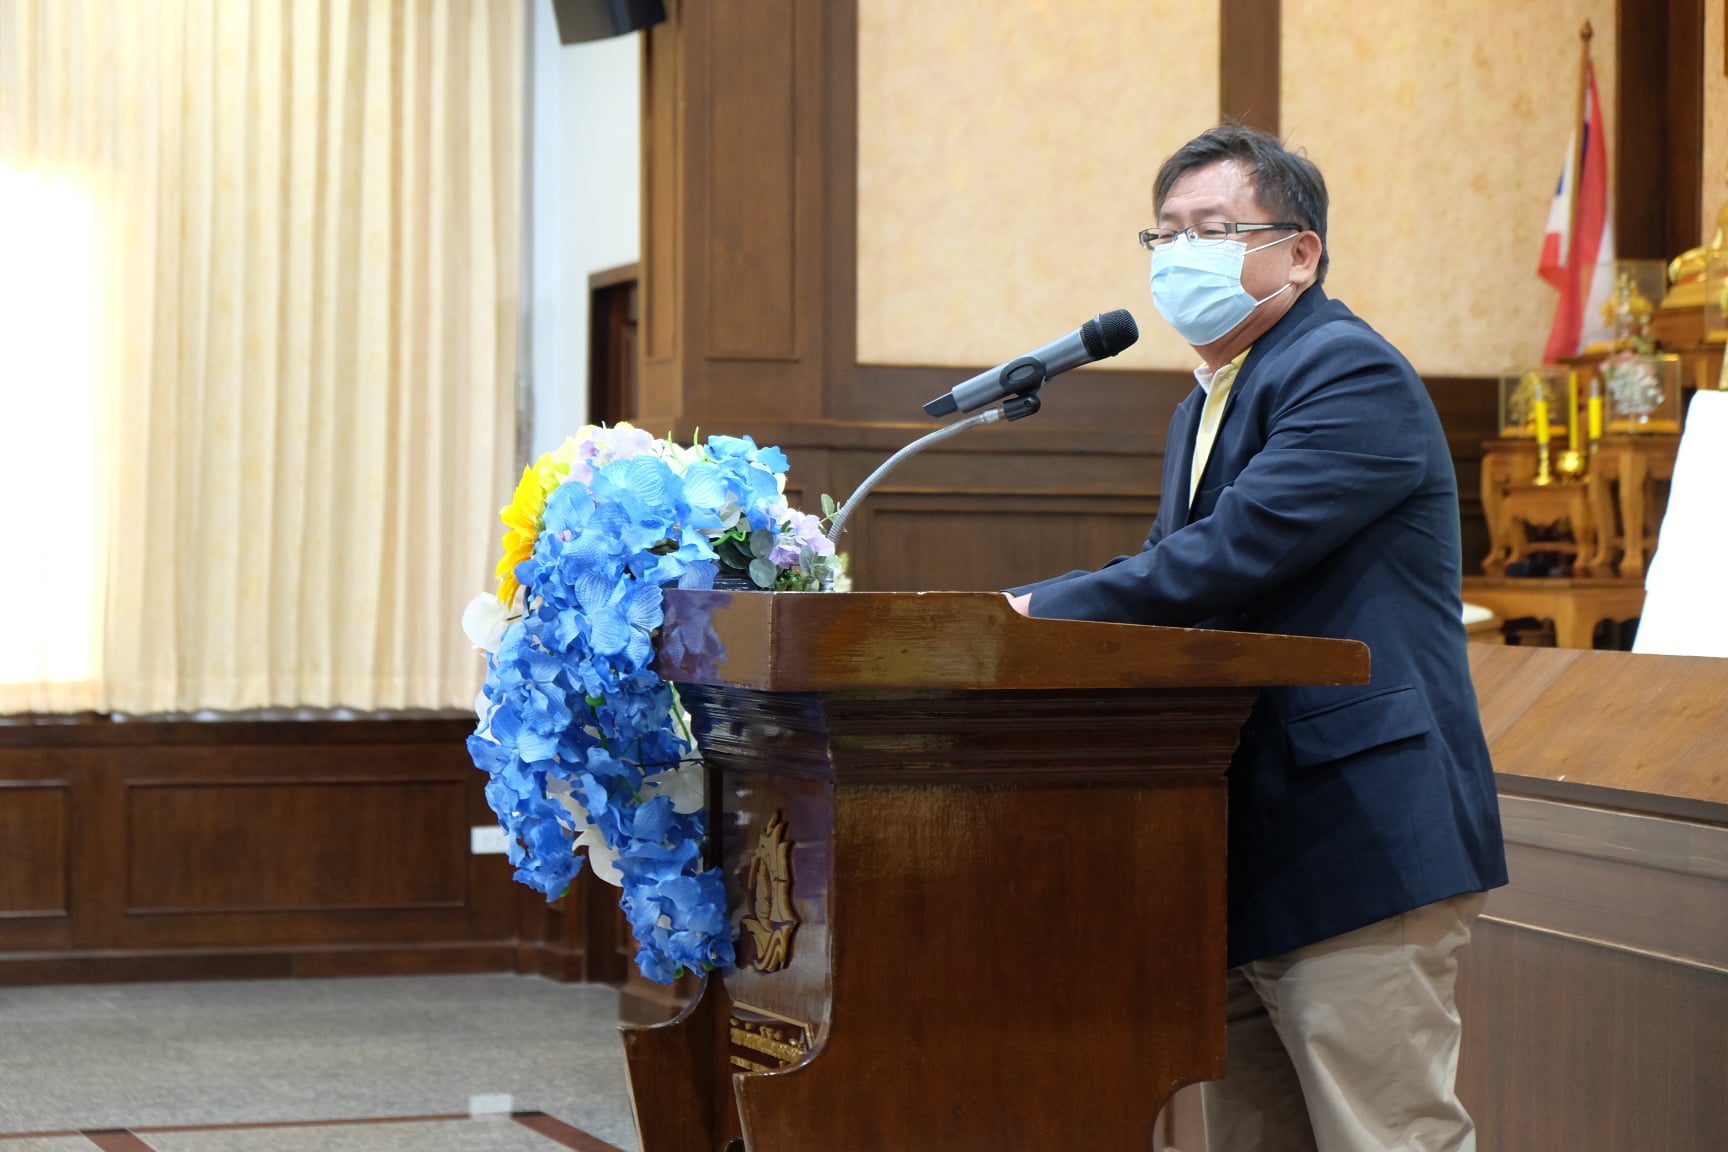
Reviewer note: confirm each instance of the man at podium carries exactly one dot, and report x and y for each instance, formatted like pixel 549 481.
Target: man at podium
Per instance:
pixel 1308 490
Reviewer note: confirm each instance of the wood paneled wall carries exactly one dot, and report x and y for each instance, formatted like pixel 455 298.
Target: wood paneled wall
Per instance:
pixel 1595 987
pixel 154 851
pixel 749 321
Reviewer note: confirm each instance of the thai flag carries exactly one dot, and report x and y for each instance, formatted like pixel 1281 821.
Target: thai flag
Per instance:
pixel 1578 251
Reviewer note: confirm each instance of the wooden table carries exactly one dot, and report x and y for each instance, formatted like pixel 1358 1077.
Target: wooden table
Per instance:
pixel 1575 606
pixel 1525 508
pixel 1619 494
pixel 1595 985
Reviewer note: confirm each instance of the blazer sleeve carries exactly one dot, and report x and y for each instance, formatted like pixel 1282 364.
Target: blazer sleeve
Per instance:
pixel 1345 443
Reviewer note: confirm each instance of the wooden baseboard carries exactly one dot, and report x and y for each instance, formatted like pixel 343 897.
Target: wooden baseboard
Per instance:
pixel 253 964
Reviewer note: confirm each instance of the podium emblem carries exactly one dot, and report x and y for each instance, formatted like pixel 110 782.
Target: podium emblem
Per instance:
pixel 770 920
pixel 766 1045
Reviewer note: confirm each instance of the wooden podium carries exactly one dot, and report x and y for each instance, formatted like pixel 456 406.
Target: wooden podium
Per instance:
pixel 978 865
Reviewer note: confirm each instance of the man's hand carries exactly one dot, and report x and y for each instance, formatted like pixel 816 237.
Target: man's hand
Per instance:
pixel 1020 604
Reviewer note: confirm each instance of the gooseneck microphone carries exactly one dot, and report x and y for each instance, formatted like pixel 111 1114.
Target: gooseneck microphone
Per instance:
pixel 1098 339
pixel 1016 383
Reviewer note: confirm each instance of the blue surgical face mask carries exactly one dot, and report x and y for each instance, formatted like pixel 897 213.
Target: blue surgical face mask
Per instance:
pixel 1197 288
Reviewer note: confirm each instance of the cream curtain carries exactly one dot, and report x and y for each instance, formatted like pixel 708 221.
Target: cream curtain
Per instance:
pixel 305 252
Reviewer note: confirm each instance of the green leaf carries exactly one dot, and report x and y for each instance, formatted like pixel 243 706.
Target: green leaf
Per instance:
pixel 762 573
pixel 731 553
pixel 761 542
pixel 829 508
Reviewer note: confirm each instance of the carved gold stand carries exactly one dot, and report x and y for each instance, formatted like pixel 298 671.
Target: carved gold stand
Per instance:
pixel 1622 495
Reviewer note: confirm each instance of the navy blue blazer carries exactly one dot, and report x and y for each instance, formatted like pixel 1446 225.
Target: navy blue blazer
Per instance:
pixel 1328 507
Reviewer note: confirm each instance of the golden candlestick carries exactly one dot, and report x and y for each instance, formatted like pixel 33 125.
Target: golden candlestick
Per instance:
pixel 1544 475
pixel 1572 428
pixel 1572 465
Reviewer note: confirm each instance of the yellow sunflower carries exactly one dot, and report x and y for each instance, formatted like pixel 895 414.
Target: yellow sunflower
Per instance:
pixel 522 519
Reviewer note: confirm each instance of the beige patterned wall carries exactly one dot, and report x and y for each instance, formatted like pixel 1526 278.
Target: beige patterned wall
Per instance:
pixel 1715 116
pixel 1006 150
pixel 1007 147
pixel 1441 128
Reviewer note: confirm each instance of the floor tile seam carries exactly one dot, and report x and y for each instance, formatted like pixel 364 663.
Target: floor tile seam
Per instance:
pixel 129 1139
pixel 336 1122
pixel 237 1126
pixel 56 1135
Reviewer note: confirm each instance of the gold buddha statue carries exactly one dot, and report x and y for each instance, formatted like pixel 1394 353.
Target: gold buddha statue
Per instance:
pixel 1627 314
pixel 1686 271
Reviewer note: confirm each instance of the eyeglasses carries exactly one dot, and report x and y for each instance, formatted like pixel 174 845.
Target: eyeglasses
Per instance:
pixel 1205 233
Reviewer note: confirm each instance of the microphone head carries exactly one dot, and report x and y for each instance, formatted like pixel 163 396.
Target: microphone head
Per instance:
pixel 1109 334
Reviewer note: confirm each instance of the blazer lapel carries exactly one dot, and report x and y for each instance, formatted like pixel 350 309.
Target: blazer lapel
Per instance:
pixel 1309 309
pixel 1176 498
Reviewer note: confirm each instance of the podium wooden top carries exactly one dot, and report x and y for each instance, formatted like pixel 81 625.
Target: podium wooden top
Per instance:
pixel 805 642
pixel 1578 721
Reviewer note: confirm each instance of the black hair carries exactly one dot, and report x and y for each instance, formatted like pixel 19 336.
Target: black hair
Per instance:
pixel 1286 183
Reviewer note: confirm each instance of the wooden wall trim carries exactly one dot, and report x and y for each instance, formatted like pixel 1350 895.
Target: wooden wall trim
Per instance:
pixel 1607 945
pixel 1687 848
pixel 839 187
pixel 1658 127
pixel 87 730
pixel 746 127
pixel 610 277
pixel 1250 41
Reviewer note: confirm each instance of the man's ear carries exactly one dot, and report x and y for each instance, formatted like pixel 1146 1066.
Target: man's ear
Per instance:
pixel 1305 259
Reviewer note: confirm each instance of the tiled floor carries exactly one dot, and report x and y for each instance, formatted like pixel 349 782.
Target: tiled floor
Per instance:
pixel 493 1063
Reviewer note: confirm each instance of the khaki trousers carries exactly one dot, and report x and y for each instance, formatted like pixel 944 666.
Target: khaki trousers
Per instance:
pixel 1348 1045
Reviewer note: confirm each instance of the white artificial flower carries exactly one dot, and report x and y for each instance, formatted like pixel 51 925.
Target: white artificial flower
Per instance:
pixel 482 710
pixel 558 788
pixel 484 621
pixel 570 451
pixel 677 456
pixel 601 858
pixel 682 785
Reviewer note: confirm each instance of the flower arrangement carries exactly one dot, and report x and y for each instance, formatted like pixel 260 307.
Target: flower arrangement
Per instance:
pixel 586 748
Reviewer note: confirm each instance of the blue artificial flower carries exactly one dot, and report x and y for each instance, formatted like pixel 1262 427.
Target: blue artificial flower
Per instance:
pixel 725 447
pixel 572 692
